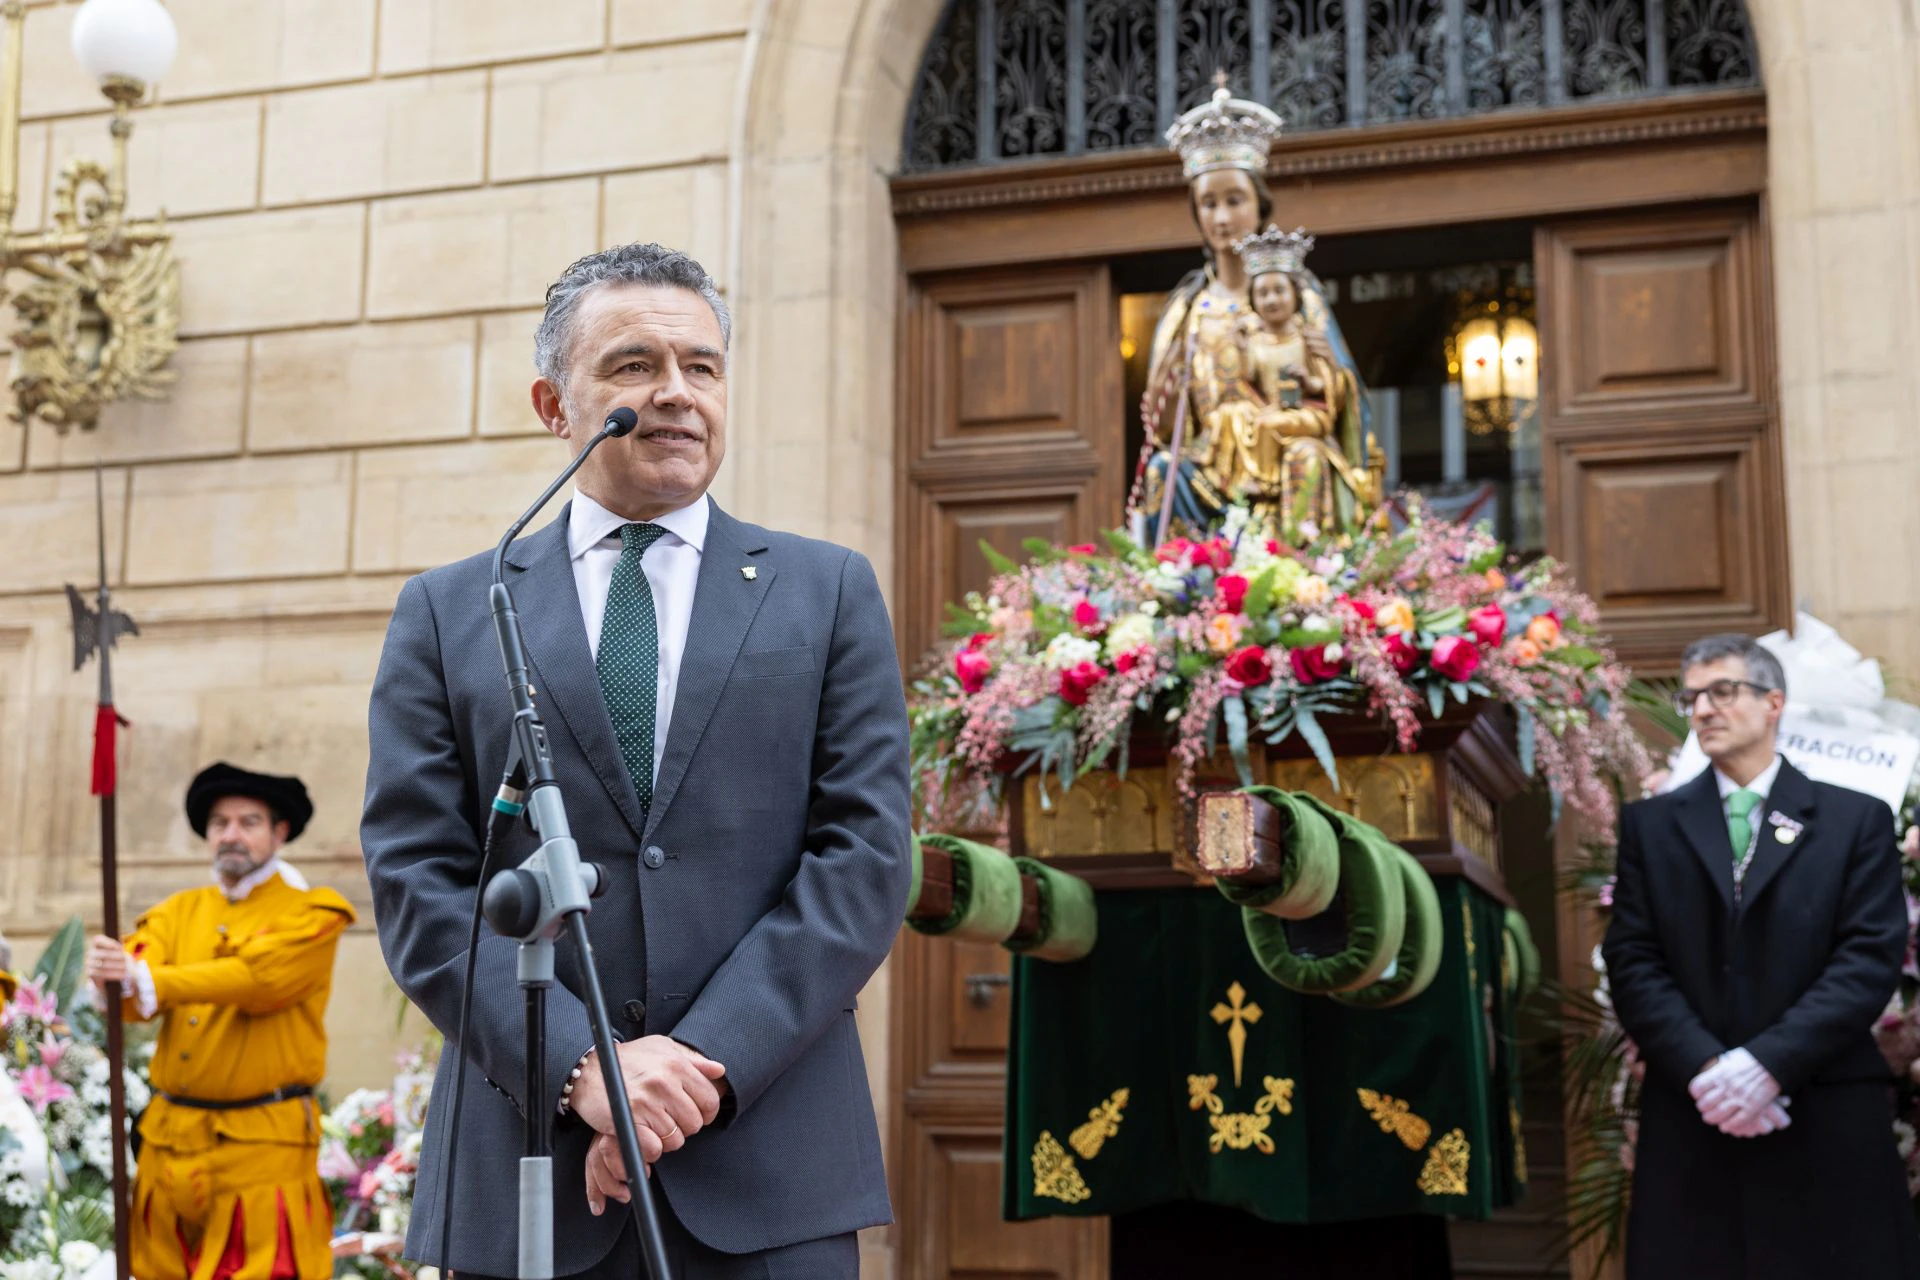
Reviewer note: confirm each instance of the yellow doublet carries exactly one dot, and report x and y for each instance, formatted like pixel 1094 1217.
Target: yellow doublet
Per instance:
pixel 242 990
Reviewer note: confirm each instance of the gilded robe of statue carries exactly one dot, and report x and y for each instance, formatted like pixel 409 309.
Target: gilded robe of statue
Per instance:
pixel 1270 420
pixel 242 990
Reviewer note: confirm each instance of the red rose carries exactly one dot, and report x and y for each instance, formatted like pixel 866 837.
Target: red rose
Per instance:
pixel 973 668
pixel 1077 681
pixel 1273 546
pixel 1250 666
pixel 1360 607
pixel 1173 550
pixel 1214 552
pixel 1402 655
pixel 1488 624
pixel 1312 665
pixel 1233 591
pixel 978 638
pixel 1456 658
pixel 1086 615
pixel 1083 549
pixel 1125 662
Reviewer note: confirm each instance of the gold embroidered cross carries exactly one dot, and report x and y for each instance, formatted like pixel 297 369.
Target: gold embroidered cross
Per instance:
pixel 1237 1014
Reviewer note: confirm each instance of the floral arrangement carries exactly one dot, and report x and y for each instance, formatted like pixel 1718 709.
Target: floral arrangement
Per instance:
pixel 1056 664
pixel 369 1157
pixel 56 1135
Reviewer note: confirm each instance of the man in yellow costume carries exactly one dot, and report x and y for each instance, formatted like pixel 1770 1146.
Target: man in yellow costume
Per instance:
pixel 239 972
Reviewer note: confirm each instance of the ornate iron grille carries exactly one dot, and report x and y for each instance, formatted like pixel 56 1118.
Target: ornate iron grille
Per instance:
pixel 1013 79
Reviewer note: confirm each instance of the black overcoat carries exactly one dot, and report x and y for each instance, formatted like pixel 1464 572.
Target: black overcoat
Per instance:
pixel 1795 965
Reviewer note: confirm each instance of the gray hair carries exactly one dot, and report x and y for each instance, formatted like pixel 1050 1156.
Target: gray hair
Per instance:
pixel 1762 667
pixel 645 264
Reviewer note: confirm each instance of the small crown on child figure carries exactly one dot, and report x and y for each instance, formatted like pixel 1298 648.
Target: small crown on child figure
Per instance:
pixel 1274 250
pixel 1224 132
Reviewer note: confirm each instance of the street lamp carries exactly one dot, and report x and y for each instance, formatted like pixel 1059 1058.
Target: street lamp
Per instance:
pixel 1494 354
pixel 100 317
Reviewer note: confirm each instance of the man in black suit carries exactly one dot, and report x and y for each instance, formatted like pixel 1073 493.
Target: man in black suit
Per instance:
pixel 729 730
pixel 1758 930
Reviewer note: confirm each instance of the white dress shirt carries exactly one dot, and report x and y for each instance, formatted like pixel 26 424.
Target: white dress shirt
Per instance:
pixel 1761 786
pixel 672 566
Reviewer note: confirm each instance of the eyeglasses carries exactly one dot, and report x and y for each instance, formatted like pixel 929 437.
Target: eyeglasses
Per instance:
pixel 1721 693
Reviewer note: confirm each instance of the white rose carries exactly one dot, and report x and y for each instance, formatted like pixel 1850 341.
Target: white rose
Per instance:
pixel 1133 631
pixel 1151 608
pixel 78 1255
pixel 1068 650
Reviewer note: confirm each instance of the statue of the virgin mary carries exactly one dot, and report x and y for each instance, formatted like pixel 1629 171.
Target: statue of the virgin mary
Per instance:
pixel 1205 406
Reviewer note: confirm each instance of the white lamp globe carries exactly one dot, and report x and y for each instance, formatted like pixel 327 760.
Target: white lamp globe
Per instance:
pixel 128 39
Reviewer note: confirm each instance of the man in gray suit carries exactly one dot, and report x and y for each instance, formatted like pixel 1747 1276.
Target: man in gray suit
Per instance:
pixel 729 732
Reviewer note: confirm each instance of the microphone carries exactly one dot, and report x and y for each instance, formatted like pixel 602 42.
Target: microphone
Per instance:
pixel 619 423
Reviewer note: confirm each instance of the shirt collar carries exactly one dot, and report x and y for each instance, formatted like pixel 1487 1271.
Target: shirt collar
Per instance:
pixel 1761 786
pixel 258 876
pixel 589 524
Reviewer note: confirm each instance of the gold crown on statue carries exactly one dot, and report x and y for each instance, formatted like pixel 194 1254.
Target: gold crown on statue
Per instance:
pixel 1224 133
pixel 1274 250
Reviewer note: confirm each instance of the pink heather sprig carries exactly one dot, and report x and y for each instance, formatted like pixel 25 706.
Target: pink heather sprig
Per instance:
pixel 1388 692
pixel 1204 697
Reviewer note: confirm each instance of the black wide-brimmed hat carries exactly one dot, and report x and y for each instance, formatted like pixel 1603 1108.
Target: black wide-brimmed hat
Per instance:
pixel 286 796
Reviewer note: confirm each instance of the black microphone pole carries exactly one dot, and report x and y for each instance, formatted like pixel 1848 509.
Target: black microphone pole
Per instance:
pixel 546 894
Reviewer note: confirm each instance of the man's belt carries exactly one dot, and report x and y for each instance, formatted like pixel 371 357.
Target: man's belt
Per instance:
pixel 282 1094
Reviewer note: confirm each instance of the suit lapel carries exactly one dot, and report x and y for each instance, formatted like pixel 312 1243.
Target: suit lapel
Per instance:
pixel 565 676
pixel 724 604
pixel 1791 798
pixel 1704 824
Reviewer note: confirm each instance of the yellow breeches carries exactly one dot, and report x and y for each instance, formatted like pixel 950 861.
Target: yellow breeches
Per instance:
pixel 234 1211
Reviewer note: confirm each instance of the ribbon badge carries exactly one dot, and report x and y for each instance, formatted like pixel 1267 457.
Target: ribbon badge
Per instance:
pixel 1785 829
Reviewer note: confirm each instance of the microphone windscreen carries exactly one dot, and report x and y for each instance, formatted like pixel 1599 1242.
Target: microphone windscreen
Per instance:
pixel 621 421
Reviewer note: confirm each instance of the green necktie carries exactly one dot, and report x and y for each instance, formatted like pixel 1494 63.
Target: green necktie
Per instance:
pixel 629 658
pixel 1740 807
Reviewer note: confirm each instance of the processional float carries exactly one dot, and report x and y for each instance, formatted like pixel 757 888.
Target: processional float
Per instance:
pixel 1229 784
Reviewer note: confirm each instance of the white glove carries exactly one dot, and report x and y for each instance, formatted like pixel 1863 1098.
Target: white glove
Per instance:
pixel 1735 1088
pixel 1772 1120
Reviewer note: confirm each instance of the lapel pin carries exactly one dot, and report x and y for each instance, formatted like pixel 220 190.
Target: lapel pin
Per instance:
pixel 1785 829
pixel 749 572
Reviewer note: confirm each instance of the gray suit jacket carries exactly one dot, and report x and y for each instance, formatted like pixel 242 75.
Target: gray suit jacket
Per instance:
pixel 742 919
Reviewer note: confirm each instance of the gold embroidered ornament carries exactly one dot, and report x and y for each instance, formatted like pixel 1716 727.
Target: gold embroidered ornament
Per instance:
pixel 1395 1116
pixel 1236 1015
pixel 1103 1122
pixel 1446 1170
pixel 1054 1173
pixel 1240 1130
pixel 1519 1141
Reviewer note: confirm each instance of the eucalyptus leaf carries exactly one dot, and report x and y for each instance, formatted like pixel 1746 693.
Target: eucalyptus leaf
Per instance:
pixel 1316 738
pixel 1436 700
pixel 1523 738
pixel 1234 710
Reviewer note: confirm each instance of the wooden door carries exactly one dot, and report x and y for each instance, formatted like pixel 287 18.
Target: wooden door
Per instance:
pixel 1664 489
pixel 1009 404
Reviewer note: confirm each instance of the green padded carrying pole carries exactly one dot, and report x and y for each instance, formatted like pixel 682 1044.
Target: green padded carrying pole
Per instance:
pixel 1310 874
pixel 1372 890
pixel 986 893
pixel 1069 924
pixel 1418 959
pixel 1526 959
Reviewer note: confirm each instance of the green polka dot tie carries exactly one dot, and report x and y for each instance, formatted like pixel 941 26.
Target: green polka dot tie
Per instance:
pixel 629 658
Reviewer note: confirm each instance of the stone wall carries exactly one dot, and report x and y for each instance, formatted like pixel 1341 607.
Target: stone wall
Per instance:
pixel 369 200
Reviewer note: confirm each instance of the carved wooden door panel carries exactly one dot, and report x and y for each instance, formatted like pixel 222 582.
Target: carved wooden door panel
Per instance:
pixel 1011 428
pixel 1664 489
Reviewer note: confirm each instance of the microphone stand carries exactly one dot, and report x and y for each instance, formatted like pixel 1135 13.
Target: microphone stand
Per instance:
pixel 535 902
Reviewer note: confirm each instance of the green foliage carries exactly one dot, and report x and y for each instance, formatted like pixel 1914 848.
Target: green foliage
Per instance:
pixel 995 561
pixel 1299 710
pixel 1654 700
pixel 1040 551
pixel 960 622
pixel 60 966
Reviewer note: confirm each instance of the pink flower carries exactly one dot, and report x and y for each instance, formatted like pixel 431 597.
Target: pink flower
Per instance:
pixel 1077 681
pixel 1455 657
pixel 1086 616
pixel 972 668
pixel 369 1183
pixel 978 638
pixel 1250 666
pixel 356 1129
pixel 1401 654
pixel 1083 549
pixel 33 1001
pixel 385 1111
pixel 51 1051
pixel 1125 662
pixel 335 1164
pixel 1233 592
pixel 1606 892
pixel 1214 552
pixel 38 1087
pixel 1174 550
pixel 1488 624
pixel 1315 663
pixel 1361 607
